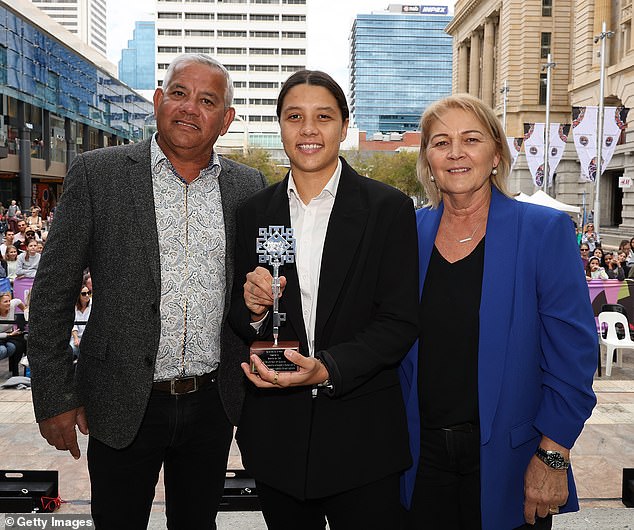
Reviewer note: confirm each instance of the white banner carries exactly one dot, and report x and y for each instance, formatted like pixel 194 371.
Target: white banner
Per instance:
pixel 557 141
pixel 515 146
pixel 584 132
pixel 534 151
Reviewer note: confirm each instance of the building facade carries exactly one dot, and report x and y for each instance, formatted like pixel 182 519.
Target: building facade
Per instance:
pixel 137 65
pixel 58 97
pixel 401 61
pixel 498 41
pixel 261 42
pixel 85 18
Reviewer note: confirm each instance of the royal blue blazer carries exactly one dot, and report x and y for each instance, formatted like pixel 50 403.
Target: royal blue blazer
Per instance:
pixel 537 350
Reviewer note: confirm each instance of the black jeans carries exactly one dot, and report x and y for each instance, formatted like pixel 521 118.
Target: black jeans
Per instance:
pixel 447 490
pixel 190 435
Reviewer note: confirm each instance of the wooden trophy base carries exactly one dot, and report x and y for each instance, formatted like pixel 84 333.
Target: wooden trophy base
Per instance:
pixel 273 356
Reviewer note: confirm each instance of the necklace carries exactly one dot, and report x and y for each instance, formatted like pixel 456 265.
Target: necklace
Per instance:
pixel 470 238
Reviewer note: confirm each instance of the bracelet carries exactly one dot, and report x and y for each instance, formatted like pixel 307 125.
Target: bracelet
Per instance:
pixel 326 383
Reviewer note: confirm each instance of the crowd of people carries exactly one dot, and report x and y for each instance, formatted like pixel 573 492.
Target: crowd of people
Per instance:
pixel 374 421
pixel 605 264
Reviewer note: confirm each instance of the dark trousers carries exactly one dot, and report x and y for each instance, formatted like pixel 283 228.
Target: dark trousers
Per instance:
pixel 190 436
pixel 447 489
pixel 374 506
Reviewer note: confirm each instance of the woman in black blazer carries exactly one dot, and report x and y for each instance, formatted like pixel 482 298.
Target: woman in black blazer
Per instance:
pixel 327 441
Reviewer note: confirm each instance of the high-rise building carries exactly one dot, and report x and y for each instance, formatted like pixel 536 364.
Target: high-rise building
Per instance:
pixel 401 60
pixel 261 42
pixel 137 64
pixel 85 18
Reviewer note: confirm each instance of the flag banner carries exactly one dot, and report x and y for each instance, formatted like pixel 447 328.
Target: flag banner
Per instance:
pixel 614 121
pixel 515 146
pixel 557 142
pixel 534 151
pixel 584 127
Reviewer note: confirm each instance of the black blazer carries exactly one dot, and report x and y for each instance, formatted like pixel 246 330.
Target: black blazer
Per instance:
pixel 366 320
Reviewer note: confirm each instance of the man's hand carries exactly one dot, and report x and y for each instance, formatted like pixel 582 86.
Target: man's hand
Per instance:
pixel 59 431
pixel 310 372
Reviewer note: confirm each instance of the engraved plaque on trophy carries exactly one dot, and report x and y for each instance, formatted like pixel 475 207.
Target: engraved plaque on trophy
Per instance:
pixel 275 246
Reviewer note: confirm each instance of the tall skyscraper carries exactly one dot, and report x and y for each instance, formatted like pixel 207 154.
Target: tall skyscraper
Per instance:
pixel 137 64
pixel 84 18
pixel 261 42
pixel 401 61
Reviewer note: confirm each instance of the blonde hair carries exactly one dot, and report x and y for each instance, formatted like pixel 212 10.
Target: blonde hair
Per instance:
pixel 487 119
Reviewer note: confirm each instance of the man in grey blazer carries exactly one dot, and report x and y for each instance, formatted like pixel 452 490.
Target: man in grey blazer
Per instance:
pixel 159 379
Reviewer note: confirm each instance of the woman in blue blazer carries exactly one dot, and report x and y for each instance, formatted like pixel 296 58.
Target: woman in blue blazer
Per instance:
pixel 499 384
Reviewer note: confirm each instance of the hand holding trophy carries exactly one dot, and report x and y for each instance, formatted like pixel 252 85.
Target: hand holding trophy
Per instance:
pixel 275 246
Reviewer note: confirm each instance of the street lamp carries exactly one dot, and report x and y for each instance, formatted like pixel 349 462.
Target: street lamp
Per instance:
pixel 548 67
pixel 504 91
pixel 597 179
pixel 245 135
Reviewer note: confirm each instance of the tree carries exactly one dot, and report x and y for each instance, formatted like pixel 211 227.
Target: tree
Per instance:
pixel 260 159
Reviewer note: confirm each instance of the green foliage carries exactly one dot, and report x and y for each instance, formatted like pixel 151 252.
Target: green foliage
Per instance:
pixel 260 159
pixel 395 169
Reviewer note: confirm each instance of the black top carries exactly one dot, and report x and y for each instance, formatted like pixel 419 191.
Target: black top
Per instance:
pixel 448 345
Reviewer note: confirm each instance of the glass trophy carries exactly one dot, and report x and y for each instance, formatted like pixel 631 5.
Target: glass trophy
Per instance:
pixel 275 246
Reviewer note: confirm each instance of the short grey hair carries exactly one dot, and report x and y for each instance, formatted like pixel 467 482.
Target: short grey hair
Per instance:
pixel 200 58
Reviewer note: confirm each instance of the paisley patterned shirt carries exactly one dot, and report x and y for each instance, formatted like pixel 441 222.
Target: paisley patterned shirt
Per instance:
pixel 192 247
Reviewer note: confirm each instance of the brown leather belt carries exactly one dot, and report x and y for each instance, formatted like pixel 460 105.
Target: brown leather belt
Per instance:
pixel 185 385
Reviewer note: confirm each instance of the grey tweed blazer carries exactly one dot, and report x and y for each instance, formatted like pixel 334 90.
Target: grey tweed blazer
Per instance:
pixel 106 220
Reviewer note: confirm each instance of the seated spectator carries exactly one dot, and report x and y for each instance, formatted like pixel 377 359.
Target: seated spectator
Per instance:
pixel 11 262
pixel 630 254
pixel 590 237
pixel 584 249
pixel 613 267
pixel 34 221
pixel 8 241
pixel 594 271
pixel 9 335
pixel 28 262
pixel 598 252
pixel 20 235
pixel 621 257
pixel 82 314
pixel 40 246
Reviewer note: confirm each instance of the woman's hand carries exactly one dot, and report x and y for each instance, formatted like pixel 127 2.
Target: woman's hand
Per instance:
pixel 311 371
pixel 258 291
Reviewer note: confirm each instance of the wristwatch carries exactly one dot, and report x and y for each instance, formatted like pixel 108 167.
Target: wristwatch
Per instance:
pixel 553 459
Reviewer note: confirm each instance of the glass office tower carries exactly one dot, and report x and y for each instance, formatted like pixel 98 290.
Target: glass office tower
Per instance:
pixel 401 60
pixel 137 64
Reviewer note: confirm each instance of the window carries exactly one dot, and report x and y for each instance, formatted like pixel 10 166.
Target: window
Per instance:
pixel 264 68
pixel 170 49
pixel 293 34
pixel 239 84
pixel 264 51
pixel 199 16
pixel 223 33
pixel 547 8
pixel 265 34
pixel 170 15
pixel 163 66
pixel 258 101
pixel 170 32
pixel 302 2
pixel 264 84
pixel 545 49
pixel 231 51
pixel 236 67
pixel 293 18
pixel 198 49
pixel 239 101
pixel 265 17
pixel 293 51
pixel 232 1
pixel 199 32
pixel 292 67
pixel 232 16
pixel 265 1
pixel 542 89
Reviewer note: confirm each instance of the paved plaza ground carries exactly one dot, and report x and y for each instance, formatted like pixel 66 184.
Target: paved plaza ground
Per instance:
pixel 605 447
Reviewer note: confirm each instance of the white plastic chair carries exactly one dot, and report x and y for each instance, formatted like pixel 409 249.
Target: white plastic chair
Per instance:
pixel 611 341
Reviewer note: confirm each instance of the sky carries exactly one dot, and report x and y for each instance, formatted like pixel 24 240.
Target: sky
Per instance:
pixel 329 24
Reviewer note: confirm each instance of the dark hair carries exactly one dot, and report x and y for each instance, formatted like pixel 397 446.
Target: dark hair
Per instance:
pixel 314 78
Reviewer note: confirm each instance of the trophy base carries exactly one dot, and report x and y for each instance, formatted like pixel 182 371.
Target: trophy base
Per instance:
pixel 273 356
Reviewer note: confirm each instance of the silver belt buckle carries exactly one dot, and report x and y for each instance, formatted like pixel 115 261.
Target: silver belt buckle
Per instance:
pixel 173 385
